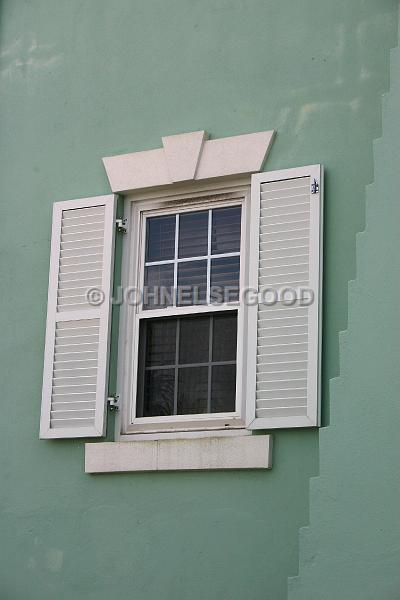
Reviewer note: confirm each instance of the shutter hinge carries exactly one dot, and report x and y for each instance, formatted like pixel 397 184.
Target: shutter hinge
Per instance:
pixel 121 225
pixel 315 187
pixel 113 402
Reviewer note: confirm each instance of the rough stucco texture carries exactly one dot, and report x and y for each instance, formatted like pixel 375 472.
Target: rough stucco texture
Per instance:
pixel 86 79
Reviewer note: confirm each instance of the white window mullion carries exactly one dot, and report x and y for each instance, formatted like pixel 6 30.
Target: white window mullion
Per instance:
pixel 209 255
pixel 193 309
pixel 209 370
pixel 158 263
pixel 175 289
pixel 176 370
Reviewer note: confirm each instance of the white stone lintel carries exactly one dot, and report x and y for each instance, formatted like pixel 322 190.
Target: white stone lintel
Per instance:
pixel 188 157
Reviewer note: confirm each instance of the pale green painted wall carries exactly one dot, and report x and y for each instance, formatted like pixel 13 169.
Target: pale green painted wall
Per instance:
pixel 352 547
pixel 85 79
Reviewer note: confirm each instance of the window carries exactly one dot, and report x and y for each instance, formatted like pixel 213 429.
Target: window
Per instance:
pixel 186 347
pixel 196 352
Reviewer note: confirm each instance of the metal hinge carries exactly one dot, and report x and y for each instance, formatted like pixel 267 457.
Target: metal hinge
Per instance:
pixel 315 187
pixel 121 225
pixel 113 402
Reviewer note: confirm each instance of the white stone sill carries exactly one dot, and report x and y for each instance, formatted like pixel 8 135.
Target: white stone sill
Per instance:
pixel 191 454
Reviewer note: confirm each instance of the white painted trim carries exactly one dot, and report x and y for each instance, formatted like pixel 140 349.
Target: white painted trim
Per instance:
pixel 315 313
pixel 253 252
pixel 196 195
pixel 199 454
pixel 179 422
pixel 196 309
pixel 188 157
pixel 102 313
pixel 190 190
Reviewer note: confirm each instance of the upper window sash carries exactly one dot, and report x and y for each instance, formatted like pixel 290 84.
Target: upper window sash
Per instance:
pixel 178 211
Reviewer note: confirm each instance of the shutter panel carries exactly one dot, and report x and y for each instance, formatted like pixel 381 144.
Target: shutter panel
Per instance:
pixel 77 332
pixel 284 337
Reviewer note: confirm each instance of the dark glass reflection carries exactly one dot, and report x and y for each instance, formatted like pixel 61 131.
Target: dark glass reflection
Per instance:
pixel 159 393
pixel 160 238
pixel 160 341
pixel 187 365
pixel 193 234
pixel 192 390
pixel 224 336
pixel 158 286
pixel 194 335
pixel 223 387
pixel 225 230
pixel 192 283
pixel 224 280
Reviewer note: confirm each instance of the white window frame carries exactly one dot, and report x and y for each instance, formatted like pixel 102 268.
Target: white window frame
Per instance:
pixel 139 206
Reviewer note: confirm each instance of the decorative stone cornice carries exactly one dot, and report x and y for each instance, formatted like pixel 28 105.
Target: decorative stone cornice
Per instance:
pixel 188 157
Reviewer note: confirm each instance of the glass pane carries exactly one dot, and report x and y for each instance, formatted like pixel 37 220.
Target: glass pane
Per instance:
pixel 224 279
pixel 194 337
pixel 192 390
pixel 193 234
pixel 192 282
pixel 160 238
pixel 225 231
pixel 156 369
pixel 223 388
pixel 224 337
pixel 158 286
pixel 158 393
pixel 160 341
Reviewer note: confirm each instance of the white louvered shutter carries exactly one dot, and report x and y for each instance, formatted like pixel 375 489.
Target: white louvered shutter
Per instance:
pixel 284 338
pixel 77 332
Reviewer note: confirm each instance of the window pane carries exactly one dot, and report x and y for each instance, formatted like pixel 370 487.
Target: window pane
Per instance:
pixel 224 337
pixel 193 234
pixel 158 393
pixel 225 231
pixel 223 388
pixel 192 282
pixel 160 238
pixel 160 341
pixel 224 279
pixel 158 286
pixel 192 390
pixel 201 388
pixel 194 337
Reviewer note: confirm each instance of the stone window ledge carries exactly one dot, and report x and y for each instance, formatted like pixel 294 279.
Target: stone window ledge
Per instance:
pixel 199 454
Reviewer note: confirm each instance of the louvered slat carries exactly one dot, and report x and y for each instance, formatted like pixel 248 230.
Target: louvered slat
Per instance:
pixel 274 226
pixel 83 229
pixel 286 254
pixel 75 375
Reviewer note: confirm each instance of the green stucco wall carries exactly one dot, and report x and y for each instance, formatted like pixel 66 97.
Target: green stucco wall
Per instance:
pixel 352 547
pixel 86 79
